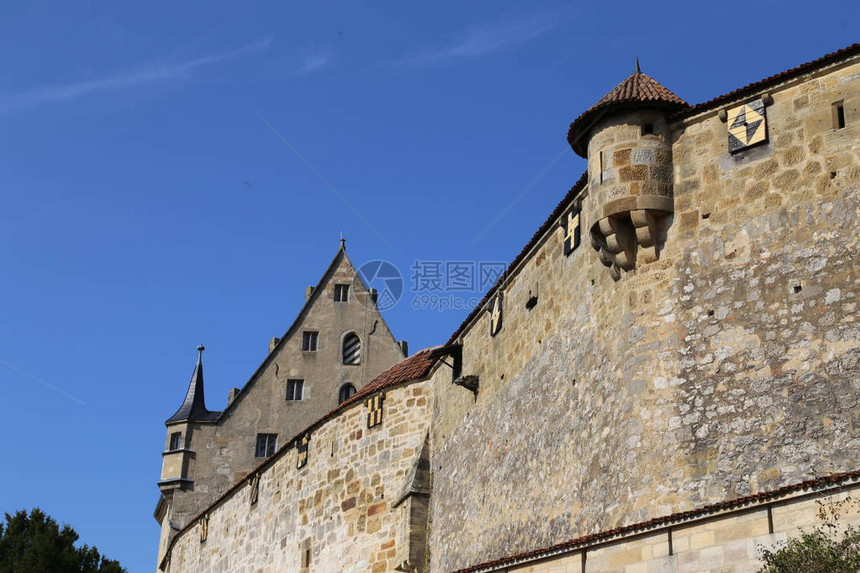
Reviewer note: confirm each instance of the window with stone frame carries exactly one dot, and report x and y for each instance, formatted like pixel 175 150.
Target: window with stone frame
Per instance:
pixel 295 389
pixel 175 441
pixel 341 293
pixel 309 341
pixel 266 444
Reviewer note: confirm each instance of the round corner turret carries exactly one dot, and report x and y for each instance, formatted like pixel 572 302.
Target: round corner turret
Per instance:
pixel 627 141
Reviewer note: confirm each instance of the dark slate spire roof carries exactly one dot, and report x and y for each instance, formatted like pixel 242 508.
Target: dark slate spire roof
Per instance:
pixel 193 408
pixel 637 91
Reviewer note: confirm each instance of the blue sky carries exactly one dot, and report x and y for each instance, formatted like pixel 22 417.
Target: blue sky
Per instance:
pixel 177 173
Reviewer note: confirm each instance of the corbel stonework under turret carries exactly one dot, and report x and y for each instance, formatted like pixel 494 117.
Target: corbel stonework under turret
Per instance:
pixel 624 238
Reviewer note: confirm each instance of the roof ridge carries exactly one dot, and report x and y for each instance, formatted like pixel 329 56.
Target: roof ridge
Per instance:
pixel 341 254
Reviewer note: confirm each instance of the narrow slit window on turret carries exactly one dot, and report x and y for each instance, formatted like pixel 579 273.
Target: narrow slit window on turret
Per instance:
pixel 600 166
pixel 295 389
pixel 309 341
pixel 266 445
pixel 341 293
pixel 647 128
pixel 175 441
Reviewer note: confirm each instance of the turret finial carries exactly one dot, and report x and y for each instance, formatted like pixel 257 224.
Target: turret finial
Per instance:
pixel 342 242
pixel 200 348
pixel 638 71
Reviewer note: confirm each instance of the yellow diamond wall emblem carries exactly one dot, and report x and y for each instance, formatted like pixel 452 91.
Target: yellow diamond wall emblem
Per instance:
pixel 747 125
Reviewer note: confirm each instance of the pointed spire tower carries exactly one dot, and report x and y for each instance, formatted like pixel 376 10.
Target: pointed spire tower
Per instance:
pixel 193 408
pixel 177 467
pixel 626 137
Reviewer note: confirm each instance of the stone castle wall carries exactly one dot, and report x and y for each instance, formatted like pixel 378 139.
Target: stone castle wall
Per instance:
pixel 731 541
pixel 728 366
pixel 347 510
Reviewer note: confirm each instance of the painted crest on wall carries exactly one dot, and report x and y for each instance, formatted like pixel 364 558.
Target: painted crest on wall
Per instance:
pixel 572 233
pixel 747 125
pixel 496 315
pixel 374 410
pixel 302 451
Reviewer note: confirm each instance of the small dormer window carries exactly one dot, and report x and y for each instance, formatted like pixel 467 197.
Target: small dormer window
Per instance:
pixel 175 441
pixel 309 341
pixel 351 349
pixel 341 293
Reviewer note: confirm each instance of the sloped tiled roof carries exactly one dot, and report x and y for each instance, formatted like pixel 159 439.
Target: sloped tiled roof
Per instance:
pixel 415 367
pixel 638 90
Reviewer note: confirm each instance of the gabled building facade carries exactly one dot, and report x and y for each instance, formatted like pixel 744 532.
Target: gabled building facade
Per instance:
pixel 337 344
pixel 664 380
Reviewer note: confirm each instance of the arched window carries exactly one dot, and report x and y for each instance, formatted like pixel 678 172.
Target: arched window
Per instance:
pixel 351 349
pixel 346 392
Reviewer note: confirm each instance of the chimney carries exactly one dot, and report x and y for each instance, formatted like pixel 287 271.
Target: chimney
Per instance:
pixel 374 294
pixel 309 292
pixel 232 395
pixel 273 342
pixel 404 347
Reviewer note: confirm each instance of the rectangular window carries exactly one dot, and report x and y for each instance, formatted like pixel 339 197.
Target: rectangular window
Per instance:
pixel 309 341
pixel 341 293
pixel 838 115
pixel 266 445
pixel 295 389
pixel 175 441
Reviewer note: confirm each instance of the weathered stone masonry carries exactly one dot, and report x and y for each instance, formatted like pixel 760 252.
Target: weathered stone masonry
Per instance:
pixel 726 366
pixel 348 509
pixel 675 380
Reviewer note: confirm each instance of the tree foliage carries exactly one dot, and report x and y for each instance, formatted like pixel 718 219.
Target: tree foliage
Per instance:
pixel 827 548
pixel 35 543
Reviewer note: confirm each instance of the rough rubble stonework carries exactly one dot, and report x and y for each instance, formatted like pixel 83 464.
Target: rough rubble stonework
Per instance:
pixel 699 377
pixel 680 390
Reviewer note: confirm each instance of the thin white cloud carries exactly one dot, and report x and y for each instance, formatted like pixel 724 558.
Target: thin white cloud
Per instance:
pixel 315 60
pixel 121 80
pixel 480 41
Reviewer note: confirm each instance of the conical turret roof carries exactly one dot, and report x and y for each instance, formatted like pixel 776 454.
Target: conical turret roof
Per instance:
pixel 193 408
pixel 637 91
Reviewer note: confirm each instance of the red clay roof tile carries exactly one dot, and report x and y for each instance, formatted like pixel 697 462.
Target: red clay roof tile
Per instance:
pixel 638 90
